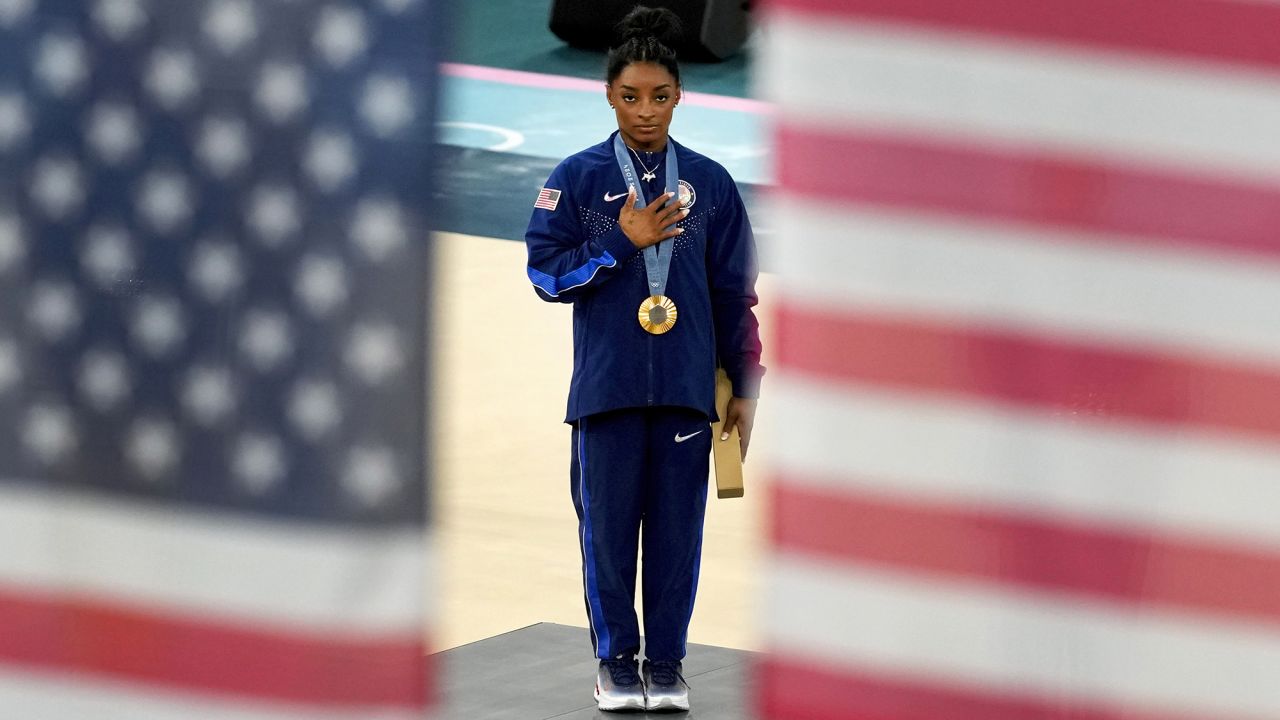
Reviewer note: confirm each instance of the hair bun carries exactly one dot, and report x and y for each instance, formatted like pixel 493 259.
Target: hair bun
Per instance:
pixel 645 22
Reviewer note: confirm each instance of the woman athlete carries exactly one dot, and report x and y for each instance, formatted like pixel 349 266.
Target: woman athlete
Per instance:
pixel 650 242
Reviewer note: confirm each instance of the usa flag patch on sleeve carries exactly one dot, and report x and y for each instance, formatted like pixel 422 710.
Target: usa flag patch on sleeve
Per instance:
pixel 548 199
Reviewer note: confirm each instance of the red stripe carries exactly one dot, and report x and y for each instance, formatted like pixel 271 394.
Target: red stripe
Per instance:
pixel 1145 569
pixel 793 689
pixel 859 166
pixel 181 652
pixel 1236 32
pixel 1080 382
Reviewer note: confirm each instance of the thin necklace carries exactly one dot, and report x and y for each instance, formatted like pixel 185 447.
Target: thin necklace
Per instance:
pixel 649 173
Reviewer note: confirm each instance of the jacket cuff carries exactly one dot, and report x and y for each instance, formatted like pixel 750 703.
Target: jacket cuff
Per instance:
pixel 746 384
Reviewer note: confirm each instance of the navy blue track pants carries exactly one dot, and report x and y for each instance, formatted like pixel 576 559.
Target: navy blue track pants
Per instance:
pixel 640 473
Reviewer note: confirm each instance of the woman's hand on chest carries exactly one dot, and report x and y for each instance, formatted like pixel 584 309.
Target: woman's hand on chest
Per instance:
pixel 653 223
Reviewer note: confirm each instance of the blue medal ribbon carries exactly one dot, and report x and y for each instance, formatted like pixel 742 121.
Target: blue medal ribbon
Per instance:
pixel 657 260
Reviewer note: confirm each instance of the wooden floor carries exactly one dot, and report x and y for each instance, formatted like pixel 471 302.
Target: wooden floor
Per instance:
pixel 505 526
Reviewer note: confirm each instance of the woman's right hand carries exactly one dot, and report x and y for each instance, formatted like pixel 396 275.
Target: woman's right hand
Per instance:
pixel 648 225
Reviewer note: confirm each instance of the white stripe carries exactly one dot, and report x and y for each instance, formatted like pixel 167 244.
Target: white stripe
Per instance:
pixel 1094 288
pixel 1019 642
pixel 292 575
pixel 1061 464
pixel 1017 93
pixel 48 697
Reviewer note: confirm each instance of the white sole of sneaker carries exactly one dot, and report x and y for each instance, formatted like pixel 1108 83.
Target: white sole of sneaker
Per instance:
pixel 667 704
pixel 618 706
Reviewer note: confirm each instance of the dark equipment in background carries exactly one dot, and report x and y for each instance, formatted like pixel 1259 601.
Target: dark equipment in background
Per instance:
pixel 714 30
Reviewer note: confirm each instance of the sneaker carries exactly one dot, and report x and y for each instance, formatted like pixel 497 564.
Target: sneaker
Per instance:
pixel 618 686
pixel 665 688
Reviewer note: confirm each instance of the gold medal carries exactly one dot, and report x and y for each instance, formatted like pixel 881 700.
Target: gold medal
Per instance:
pixel 657 314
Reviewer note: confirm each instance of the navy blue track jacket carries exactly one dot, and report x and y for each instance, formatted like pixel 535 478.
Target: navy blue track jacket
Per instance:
pixel 578 254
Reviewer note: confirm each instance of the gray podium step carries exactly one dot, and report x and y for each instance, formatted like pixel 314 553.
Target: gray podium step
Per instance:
pixel 546 671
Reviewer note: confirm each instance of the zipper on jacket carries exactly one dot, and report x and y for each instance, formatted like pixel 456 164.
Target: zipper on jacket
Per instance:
pixel 650 345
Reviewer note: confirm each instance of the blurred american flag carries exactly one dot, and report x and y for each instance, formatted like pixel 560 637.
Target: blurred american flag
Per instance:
pixel 1029 383
pixel 212 314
